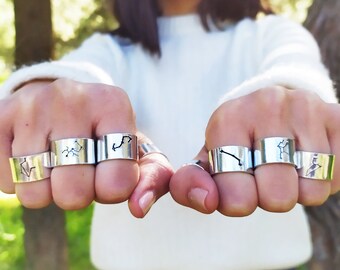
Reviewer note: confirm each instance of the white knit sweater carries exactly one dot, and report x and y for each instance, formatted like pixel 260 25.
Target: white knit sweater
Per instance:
pixel 173 97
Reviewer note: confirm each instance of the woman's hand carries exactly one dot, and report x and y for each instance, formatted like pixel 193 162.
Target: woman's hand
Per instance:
pixel 42 112
pixel 272 112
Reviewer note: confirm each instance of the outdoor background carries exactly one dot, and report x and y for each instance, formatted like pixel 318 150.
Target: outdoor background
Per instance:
pixel 72 21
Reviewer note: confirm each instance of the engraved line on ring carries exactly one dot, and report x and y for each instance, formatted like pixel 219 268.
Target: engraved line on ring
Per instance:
pixel 240 163
pixel 26 169
pixel 122 142
pixel 74 150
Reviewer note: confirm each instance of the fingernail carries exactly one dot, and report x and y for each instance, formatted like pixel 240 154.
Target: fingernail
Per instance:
pixel 197 197
pixel 146 201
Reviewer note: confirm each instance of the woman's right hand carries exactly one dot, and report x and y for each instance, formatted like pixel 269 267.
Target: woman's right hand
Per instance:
pixel 41 112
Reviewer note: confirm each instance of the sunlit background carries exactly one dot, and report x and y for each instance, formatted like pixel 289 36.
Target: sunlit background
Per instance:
pixel 75 20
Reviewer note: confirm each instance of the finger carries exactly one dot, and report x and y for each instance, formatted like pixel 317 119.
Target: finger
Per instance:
pixel 311 136
pixel 333 117
pixel 115 179
pixel 193 186
pixel 30 137
pixel 155 173
pixel 277 184
pixel 72 185
pixel 6 138
pixel 237 190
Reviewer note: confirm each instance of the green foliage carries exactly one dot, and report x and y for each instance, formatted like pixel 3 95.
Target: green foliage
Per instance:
pixel 7 35
pixel 295 9
pixel 11 236
pixel 78 231
pixel 12 256
pixel 75 21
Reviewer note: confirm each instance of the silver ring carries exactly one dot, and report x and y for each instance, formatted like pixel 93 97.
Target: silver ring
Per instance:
pixel 274 150
pixel 30 168
pixel 72 151
pixel 230 159
pixel 317 166
pixel 149 148
pixel 117 146
pixel 194 162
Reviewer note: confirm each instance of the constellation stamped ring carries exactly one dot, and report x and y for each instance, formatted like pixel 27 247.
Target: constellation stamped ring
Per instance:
pixel 274 150
pixel 316 166
pixel 72 151
pixel 230 159
pixel 117 146
pixel 30 168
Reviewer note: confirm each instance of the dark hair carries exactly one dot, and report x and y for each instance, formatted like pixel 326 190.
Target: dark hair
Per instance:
pixel 138 18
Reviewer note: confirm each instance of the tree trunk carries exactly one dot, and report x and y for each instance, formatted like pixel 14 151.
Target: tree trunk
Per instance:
pixel 45 237
pixel 33 27
pixel 324 22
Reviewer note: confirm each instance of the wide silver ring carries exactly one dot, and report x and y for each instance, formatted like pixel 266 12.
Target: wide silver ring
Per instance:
pixel 30 168
pixel 317 166
pixel 72 151
pixel 149 148
pixel 194 162
pixel 117 146
pixel 274 150
pixel 230 159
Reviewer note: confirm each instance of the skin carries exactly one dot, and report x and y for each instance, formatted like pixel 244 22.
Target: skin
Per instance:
pixel 52 110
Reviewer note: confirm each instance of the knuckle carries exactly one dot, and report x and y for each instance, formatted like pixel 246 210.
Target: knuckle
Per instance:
pixel 277 205
pixel 115 99
pixel 74 204
pixel 223 115
pixel 240 209
pixel 109 187
pixel 314 194
pixel 273 101
pixel 7 188
pixel 67 94
pixel 73 200
pixel 34 199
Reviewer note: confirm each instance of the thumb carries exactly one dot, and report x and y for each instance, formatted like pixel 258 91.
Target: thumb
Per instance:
pixel 155 174
pixel 192 185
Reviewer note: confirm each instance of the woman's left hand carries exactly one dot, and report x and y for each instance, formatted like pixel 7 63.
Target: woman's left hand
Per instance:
pixel 275 187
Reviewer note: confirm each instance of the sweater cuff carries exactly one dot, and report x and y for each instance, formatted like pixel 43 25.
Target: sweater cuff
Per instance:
pixel 292 77
pixel 81 72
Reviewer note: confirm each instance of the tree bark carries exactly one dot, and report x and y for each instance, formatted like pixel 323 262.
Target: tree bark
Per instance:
pixel 324 22
pixel 33 27
pixel 45 237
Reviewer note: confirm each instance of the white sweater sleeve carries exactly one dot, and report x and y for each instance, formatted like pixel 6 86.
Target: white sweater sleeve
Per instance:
pixel 289 56
pixel 94 61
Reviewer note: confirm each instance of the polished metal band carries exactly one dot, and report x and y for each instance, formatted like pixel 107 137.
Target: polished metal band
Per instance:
pixel 149 148
pixel 194 162
pixel 315 165
pixel 230 159
pixel 274 150
pixel 72 151
pixel 30 168
pixel 117 146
